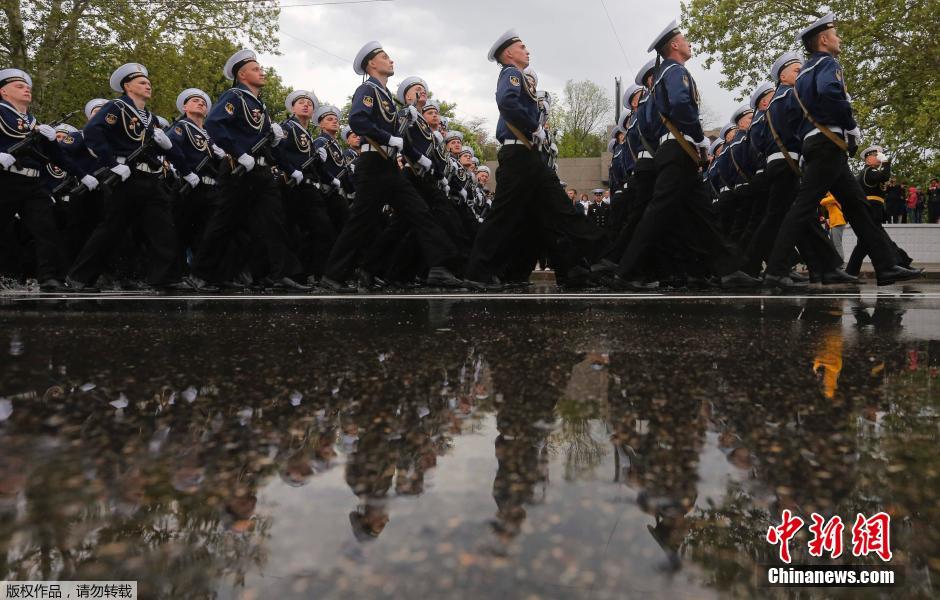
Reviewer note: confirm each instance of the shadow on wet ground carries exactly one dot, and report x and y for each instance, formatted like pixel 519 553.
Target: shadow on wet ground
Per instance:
pixel 463 449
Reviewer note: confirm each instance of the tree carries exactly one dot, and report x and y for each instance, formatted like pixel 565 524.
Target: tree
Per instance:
pixel 70 47
pixel 890 57
pixel 581 117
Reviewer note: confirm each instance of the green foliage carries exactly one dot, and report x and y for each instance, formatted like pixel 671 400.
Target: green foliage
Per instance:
pixel 889 53
pixel 581 118
pixel 70 47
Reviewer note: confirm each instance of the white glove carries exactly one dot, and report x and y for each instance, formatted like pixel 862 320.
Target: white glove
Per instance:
pixel 321 152
pixel 121 170
pixel 539 135
pixel 396 142
pixel 446 189
pixel 412 113
pixel 219 153
pixel 247 161
pixel 883 157
pixel 297 176
pixel 352 168
pixel 463 193
pixel 46 131
pixel 192 179
pixel 160 138
pixel 89 182
pixel 856 133
pixel 425 162
pixel 6 160
pixel 278 133
pixel 554 148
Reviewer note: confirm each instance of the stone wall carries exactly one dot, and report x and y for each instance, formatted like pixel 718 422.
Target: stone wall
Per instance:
pixel 583 174
pixel 921 242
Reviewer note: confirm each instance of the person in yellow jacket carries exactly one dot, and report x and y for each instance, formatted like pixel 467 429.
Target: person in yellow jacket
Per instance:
pixel 836 222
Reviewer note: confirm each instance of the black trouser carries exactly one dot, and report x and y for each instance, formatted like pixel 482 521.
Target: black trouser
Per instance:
pixel 378 181
pixel 877 211
pixel 727 210
pixel 24 195
pixel 142 203
pixel 678 193
pixel 758 191
pixel 337 206
pixel 826 169
pixel 251 201
pixel 310 226
pixel 528 193
pixel 192 212
pixel 638 194
pixel 815 247
pixel 618 209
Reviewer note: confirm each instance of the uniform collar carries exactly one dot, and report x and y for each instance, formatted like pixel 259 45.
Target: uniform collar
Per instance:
pixel 13 108
pixel 244 88
pixel 375 82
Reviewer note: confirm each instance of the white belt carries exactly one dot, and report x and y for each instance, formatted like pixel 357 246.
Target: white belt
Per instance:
pixel 24 172
pixel 779 156
pixel 261 161
pixel 208 180
pixel 814 131
pixel 513 142
pixel 740 185
pixel 142 167
pixel 643 154
pixel 759 172
pixel 370 148
pixel 723 190
pixel 669 136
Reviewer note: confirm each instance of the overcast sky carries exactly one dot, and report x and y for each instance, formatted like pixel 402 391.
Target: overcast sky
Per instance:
pixel 446 42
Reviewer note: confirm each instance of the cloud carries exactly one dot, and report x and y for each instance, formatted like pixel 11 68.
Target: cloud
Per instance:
pixel 446 43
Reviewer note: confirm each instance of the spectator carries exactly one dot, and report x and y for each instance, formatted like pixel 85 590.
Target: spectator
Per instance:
pixel 836 222
pixel 921 206
pixel 912 205
pixel 933 201
pixel 894 201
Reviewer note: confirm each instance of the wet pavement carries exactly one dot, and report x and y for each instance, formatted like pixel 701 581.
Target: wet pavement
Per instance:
pixel 476 447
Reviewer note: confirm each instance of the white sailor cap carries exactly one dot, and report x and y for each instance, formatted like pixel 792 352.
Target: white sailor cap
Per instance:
pixel 783 61
pixel 484 169
pixel 327 109
pixel 92 105
pixel 644 71
pixel 407 84
pixel 622 124
pixel 297 95
pixel 714 146
pixel 126 72
pixel 724 130
pixel 507 39
pixel 345 131
pixel 237 61
pixel 453 135
pixel 365 54
pixel 530 72
pixel 189 93
pixel 826 22
pixel 873 149
pixel 634 88
pixel 429 105
pixel 597 191
pixel 563 184
pixel 740 112
pixel 671 31
pixel 468 149
pixel 476 161
pixel 611 143
pixel 11 75
pixel 764 88
pixel 162 123
pixel 445 121
pixel 65 128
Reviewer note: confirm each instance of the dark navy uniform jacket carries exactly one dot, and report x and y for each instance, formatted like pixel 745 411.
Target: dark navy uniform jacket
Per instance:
pixel 51 176
pixel 295 149
pixel 238 121
pixel 373 116
pixel 16 126
pixel 756 137
pixel 713 175
pixel 676 97
pixel 727 172
pixel 875 181
pixel 742 157
pixel 786 122
pixel 821 88
pixel 518 104
pixel 118 129
pixel 649 126
pixel 193 142
pixel 335 161
pixel 420 141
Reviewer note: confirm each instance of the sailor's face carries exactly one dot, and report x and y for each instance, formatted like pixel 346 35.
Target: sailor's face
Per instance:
pixel 834 41
pixel 764 102
pixel 518 54
pixel 683 46
pixel 454 146
pixel 789 74
pixel 139 86
pixel 196 106
pixel 432 117
pixel 416 95
pixel 329 124
pixel 483 177
pixel 19 92
pixel 303 108
pixel 383 65
pixel 252 74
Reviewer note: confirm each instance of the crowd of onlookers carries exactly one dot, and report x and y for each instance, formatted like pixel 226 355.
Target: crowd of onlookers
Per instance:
pixel 907 203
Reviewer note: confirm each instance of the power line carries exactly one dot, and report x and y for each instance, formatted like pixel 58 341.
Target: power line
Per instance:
pixel 326 3
pixel 616 36
pixel 323 50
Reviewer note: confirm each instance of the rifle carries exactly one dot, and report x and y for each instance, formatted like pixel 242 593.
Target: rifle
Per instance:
pixel 291 182
pixel 261 145
pixel 27 142
pixel 108 178
pixel 184 186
